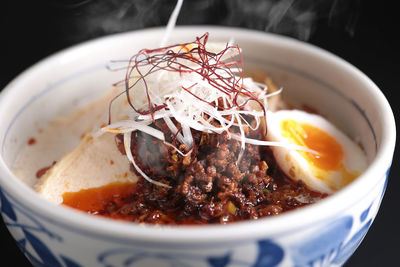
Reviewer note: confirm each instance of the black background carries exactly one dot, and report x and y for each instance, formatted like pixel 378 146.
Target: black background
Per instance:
pixel 362 32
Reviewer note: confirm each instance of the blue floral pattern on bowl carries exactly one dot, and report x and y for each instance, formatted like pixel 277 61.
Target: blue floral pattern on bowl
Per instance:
pixel 31 244
pixel 269 254
pixel 332 243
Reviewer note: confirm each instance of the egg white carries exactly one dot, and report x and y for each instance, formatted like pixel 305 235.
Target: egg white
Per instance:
pixel 297 167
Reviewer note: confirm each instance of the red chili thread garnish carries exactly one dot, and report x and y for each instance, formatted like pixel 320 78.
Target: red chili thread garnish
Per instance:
pixel 232 85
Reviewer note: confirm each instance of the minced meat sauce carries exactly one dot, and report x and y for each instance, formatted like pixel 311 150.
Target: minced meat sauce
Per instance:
pixel 208 185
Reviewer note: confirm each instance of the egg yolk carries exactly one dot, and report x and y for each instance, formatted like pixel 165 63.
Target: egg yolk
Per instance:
pixel 330 152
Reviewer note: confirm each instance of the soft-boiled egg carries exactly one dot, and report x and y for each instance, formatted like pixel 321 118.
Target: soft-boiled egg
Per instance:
pixel 335 160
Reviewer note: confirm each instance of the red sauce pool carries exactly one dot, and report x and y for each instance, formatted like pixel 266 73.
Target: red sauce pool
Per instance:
pixel 96 200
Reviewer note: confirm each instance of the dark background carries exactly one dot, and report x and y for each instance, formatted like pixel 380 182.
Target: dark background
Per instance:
pixel 362 32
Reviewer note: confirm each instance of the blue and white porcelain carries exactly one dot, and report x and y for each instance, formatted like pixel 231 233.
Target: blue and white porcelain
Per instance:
pixel 322 234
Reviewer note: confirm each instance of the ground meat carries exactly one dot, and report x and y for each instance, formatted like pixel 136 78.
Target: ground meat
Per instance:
pixel 209 185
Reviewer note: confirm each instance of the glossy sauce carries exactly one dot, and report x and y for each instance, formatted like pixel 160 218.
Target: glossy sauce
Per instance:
pixel 109 201
pixel 99 199
pixel 31 141
pixel 43 170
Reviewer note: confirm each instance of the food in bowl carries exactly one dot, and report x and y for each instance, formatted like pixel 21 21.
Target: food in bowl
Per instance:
pixel 325 233
pixel 189 140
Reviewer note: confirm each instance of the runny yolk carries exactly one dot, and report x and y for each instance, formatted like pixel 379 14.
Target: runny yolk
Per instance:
pixel 330 152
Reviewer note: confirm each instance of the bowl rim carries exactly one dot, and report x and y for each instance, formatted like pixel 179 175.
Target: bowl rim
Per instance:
pixel 246 230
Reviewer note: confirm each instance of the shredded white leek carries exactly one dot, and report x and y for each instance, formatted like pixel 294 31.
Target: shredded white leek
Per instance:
pixel 126 126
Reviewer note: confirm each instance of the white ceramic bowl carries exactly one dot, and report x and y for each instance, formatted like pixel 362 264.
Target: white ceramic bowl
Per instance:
pixel 323 234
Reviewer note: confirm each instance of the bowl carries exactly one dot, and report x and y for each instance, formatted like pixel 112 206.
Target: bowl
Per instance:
pixel 322 234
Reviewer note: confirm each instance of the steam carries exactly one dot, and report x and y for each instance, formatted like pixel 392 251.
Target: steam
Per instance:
pixel 284 17
pixel 171 22
pixel 295 18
